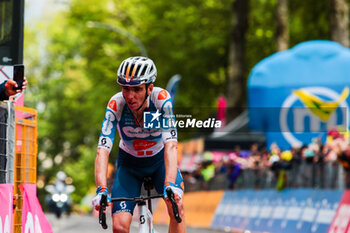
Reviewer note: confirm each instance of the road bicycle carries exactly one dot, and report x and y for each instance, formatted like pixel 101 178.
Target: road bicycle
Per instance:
pixel 145 218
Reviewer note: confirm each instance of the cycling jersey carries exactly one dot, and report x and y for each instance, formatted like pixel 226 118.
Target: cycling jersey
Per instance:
pixel 135 139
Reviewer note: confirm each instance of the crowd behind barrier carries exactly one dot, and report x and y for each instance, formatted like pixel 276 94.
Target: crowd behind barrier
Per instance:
pixel 321 166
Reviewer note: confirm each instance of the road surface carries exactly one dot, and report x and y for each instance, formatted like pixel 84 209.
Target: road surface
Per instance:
pixel 89 224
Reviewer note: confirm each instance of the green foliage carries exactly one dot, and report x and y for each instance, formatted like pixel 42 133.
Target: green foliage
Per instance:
pixel 260 41
pixel 82 171
pixel 309 20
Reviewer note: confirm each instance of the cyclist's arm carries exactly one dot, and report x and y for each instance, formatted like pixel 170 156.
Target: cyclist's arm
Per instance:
pixel 101 164
pixel 163 102
pixel 170 161
pixel 105 143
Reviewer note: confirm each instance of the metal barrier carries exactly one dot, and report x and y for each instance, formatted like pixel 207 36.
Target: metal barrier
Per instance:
pixel 327 175
pixel 7 138
pixel 26 156
pixel 18 151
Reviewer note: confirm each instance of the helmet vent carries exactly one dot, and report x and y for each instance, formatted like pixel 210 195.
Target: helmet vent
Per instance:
pixel 122 67
pixel 137 69
pixel 131 69
pixel 143 70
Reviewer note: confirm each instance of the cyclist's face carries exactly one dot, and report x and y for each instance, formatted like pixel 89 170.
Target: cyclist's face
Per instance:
pixel 134 96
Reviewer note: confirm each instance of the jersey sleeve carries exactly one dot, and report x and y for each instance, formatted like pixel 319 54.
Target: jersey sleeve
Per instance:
pixel 165 106
pixel 109 126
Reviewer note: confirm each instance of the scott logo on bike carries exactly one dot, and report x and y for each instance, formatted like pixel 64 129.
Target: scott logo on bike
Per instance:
pixel 142 219
pixel 151 120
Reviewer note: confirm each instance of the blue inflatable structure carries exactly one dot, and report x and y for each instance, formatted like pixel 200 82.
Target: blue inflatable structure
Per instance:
pixel 299 94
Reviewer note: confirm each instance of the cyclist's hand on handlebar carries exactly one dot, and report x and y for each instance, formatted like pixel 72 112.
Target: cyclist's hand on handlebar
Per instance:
pixel 173 199
pixel 96 200
pixel 177 190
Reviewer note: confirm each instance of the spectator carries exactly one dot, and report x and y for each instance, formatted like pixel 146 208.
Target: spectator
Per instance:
pixel 284 166
pixel 207 171
pixel 256 166
pixel 296 164
pixel 320 165
pixel 333 164
pixel 234 172
pixel 254 149
pixel 344 159
pixel 237 150
pixel 7 88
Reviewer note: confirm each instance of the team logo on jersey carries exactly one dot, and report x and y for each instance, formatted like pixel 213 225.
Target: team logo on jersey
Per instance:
pixel 140 144
pixel 151 120
pixel 105 142
pixel 138 132
pixel 162 95
pixel 107 124
pixel 113 105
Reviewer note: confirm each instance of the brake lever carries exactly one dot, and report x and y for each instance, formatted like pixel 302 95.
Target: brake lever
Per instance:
pixel 170 194
pixel 102 213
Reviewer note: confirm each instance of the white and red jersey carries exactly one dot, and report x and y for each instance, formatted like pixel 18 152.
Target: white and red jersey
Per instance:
pixel 135 139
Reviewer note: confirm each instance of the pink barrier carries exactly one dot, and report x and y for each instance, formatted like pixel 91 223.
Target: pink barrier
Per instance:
pixel 20 99
pixel 341 221
pixel 33 218
pixel 6 214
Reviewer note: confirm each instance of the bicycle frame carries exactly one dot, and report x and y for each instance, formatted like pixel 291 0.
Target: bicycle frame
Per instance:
pixel 146 218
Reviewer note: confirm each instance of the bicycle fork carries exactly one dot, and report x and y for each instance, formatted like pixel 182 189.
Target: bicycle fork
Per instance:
pixel 146 219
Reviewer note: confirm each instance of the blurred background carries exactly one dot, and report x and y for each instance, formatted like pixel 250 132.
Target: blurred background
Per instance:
pixel 72 50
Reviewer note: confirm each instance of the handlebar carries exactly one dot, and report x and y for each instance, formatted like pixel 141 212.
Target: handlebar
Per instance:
pixel 102 211
pixel 103 205
pixel 136 199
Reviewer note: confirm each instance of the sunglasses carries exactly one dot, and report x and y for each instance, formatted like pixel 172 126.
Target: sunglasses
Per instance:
pixel 131 82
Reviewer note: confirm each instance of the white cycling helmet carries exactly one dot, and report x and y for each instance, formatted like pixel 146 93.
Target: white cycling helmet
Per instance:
pixel 135 71
pixel 61 175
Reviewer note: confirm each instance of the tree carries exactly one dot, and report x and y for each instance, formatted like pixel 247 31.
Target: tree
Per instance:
pixel 308 20
pixel 340 22
pixel 236 84
pixel 282 33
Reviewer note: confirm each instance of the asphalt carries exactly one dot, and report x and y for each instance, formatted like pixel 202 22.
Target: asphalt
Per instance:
pixel 89 224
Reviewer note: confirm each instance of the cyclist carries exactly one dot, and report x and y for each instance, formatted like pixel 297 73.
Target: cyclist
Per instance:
pixel 142 151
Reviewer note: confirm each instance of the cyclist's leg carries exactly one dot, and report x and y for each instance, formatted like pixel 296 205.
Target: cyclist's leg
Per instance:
pixel 121 222
pixel 158 179
pixel 126 184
